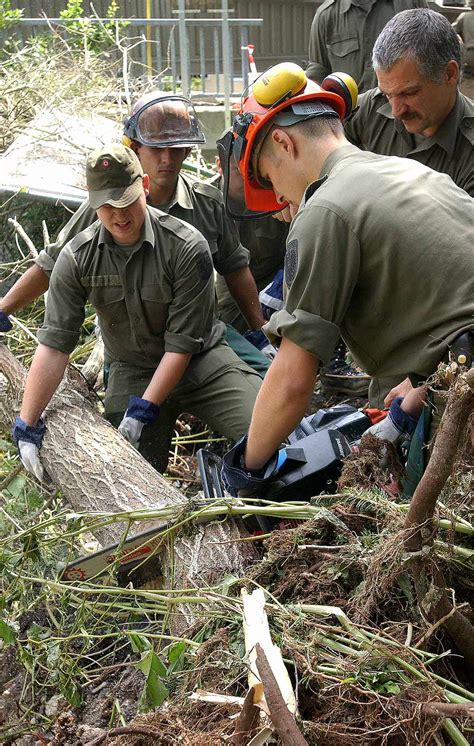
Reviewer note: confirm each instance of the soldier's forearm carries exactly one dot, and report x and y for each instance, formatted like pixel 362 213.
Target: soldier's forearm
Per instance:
pixel 46 372
pixel 167 375
pixel 281 402
pixel 244 291
pixel 33 283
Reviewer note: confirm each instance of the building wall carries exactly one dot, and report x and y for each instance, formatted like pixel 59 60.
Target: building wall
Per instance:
pixel 284 34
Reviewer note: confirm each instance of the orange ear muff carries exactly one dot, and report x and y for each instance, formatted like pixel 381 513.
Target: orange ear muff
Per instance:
pixel 345 87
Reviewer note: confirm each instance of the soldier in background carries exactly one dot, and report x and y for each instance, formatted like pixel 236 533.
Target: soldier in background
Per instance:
pixel 343 34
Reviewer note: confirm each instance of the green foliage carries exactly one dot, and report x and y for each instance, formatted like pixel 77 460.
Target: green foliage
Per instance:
pixel 84 34
pixel 154 692
pixel 8 17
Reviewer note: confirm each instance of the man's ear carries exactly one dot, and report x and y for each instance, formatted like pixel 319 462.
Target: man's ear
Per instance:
pixel 452 72
pixel 283 140
pixel 146 184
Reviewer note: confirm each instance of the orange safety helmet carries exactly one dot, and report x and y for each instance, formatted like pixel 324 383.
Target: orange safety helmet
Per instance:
pixel 282 95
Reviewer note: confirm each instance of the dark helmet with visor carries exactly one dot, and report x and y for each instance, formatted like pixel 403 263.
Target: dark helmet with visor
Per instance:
pixel 163 120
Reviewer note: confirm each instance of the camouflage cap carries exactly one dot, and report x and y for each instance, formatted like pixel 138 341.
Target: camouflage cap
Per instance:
pixel 114 176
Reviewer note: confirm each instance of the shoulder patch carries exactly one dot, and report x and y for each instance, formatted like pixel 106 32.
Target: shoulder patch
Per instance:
pixel 204 265
pixel 291 261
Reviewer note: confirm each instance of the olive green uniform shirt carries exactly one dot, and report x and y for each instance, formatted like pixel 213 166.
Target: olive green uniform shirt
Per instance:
pixel 155 297
pixel 265 239
pixel 343 34
pixel 380 253
pixel 195 202
pixel 451 150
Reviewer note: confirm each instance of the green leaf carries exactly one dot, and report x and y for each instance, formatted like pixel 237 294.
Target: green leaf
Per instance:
pixel 391 687
pixel 71 692
pixel 176 657
pixel 154 692
pixel 7 633
pixel 36 632
pixel 150 663
pixel 139 643
pixel 404 584
pixel 176 651
pixel 17 485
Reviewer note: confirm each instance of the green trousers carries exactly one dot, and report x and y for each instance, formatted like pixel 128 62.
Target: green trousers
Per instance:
pixel 246 351
pixel 217 387
pixel 242 348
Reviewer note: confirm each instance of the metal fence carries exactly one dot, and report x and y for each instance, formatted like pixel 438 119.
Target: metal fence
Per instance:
pixel 205 55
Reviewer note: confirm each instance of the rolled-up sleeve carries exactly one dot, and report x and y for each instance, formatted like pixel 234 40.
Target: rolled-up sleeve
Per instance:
pixel 191 312
pixel 65 308
pixel 321 271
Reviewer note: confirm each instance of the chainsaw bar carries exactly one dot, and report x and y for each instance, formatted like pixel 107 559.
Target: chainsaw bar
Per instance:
pixel 126 555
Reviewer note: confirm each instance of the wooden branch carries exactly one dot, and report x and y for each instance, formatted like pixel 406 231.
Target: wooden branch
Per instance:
pixel 246 722
pixel 126 730
pixel 21 232
pixel 419 518
pixel 280 716
pixel 446 709
pixel 453 423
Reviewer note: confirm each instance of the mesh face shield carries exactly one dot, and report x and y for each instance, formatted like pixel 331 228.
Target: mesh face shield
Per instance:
pixel 165 122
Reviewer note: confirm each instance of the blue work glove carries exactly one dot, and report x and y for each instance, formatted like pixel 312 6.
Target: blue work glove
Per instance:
pixel 140 412
pixel 271 297
pixel 396 427
pixel 5 323
pixel 258 339
pixel 236 477
pixel 28 439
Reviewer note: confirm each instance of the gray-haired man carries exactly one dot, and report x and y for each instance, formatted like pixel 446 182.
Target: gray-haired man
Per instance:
pixel 418 111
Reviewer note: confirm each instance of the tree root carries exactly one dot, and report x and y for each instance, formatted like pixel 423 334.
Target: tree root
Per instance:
pixel 419 518
pixel 246 722
pixel 280 716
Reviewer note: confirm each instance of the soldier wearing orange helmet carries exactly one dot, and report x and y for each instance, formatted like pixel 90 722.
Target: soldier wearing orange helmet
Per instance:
pixel 364 230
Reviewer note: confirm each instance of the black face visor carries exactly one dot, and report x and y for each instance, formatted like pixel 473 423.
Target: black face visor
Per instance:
pixel 230 150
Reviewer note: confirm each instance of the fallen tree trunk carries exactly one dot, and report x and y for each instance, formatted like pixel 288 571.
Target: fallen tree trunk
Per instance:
pixel 434 597
pixel 98 470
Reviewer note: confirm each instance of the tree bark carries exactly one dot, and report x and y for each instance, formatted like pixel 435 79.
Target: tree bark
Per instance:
pixel 98 470
pixel 419 518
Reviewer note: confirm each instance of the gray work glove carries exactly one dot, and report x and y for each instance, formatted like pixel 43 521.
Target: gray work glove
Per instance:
pixel 258 339
pixel 397 427
pixel 28 439
pixel 140 412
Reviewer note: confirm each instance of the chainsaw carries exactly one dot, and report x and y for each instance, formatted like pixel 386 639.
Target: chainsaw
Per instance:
pixel 315 453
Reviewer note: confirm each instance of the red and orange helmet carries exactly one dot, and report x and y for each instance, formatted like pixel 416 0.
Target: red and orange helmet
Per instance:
pixel 282 95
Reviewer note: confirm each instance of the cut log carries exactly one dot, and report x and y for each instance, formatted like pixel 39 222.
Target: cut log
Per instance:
pixel 98 470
